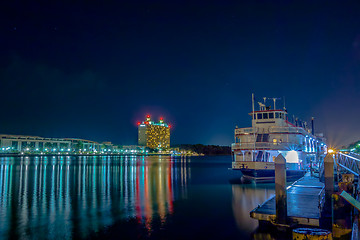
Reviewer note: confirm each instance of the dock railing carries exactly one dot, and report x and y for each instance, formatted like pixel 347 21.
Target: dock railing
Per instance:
pixel 347 162
pixel 321 199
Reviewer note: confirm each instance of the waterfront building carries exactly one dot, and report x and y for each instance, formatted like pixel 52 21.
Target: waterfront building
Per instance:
pixel 107 147
pixel 34 144
pixel 132 149
pixel 154 135
pixel 84 145
pixel 21 143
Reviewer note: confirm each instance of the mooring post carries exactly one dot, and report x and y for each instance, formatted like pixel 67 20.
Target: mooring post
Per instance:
pixel 326 214
pixel 280 189
pixel 329 180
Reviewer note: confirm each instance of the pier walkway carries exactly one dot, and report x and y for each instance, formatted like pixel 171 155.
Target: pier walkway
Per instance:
pixel 304 202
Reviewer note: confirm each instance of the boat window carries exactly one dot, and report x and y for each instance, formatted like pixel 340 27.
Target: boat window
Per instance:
pixel 262 138
pixel 265 116
pixel 277 115
pixel 254 116
pixel 265 138
pixel 281 115
pixel 259 138
pixel 259 116
pixel 271 115
pixel 259 156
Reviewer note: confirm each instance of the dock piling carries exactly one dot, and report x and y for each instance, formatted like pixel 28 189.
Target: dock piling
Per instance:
pixel 329 180
pixel 327 211
pixel 280 189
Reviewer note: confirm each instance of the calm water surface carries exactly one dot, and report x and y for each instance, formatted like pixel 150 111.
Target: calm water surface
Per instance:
pixel 112 197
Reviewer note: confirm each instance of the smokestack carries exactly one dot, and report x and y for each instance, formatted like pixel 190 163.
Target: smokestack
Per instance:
pixel 312 126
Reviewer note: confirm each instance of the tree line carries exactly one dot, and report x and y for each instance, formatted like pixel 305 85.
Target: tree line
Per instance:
pixel 205 149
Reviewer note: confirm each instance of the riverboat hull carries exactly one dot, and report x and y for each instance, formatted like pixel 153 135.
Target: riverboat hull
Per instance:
pixel 268 176
pixel 265 171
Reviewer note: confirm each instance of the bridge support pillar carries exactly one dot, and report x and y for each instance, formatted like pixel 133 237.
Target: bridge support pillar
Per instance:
pixel 280 189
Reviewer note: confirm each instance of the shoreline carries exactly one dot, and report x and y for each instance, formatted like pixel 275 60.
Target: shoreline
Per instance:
pixel 94 154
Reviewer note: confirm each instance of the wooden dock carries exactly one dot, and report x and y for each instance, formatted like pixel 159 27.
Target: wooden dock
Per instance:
pixel 303 203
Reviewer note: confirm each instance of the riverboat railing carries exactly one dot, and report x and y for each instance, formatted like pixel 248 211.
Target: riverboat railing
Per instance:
pixel 285 146
pixel 274 129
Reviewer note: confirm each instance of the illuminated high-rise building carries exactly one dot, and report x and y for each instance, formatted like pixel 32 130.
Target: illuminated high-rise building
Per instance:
pixel 155 135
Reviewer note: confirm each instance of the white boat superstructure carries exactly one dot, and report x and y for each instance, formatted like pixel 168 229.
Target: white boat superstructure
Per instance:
pixel 271 134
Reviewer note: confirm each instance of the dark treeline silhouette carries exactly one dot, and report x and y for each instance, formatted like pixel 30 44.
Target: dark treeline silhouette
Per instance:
pixel 205 149
pixel 355 146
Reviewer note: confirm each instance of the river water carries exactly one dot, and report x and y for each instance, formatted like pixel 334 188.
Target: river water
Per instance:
pixel 127 197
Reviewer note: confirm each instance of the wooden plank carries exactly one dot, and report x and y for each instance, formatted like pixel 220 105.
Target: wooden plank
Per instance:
pixel 350 200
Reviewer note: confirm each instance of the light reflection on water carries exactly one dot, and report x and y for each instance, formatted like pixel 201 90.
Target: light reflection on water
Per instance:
pixel 154 197
pixel 245 199
pixel 67 197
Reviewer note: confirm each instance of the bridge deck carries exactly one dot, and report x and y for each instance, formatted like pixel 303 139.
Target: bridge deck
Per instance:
pixel 302 203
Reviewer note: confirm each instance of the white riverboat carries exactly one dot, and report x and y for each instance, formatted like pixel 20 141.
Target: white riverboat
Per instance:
pixel 271 134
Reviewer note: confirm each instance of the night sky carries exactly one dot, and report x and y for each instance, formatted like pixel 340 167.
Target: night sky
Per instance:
pixel 93 69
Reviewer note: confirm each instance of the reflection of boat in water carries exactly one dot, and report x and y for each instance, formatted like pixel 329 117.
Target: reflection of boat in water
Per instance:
pixel 245 198
pixel 271 134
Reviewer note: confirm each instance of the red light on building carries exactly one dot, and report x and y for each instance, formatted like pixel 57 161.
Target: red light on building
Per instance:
pixel 161 118
pixel 138 123
pixel 169 126
pixel 147 116
pixel 146 122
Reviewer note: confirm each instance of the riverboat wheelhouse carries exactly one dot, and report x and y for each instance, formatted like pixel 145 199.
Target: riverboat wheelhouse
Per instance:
pixel 271 134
